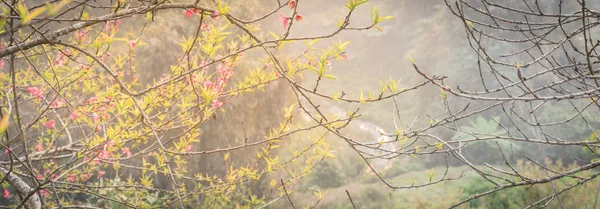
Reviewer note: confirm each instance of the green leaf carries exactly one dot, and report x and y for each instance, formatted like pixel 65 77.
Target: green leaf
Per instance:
pixel 330 77
pixel 3 124
pixel 36 12
pixel 22 9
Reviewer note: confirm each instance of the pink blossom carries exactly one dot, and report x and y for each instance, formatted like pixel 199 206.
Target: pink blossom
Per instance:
pixel 73 115
pixel 81 35
pixel 36 92
pixel 57 103
pixel 104 154
pixel 1 63
pixel 98 129
pixel 61 59
pixel 216 103
pixel 39 147
pixel 71 177
pixel 345 56
pixel 188 148
pixel 292 4
pixel 100 174
pixel 188 13
pixel 204 26
pixel 204 65
pixel 208 84
pixel 44 192
pixel 83 66
pixel 112 24
pixel 7 150
pixel 6 193
pixel 283 19
pixel 132 43
pixel 215 14
pixel 110 144
pixel 226 72
pixel 221 82
pixel 96 117
pixel 39 176
pixel 299 17
pixel 92 100
pixel 107 26
pixel 127 152
pixel 50 124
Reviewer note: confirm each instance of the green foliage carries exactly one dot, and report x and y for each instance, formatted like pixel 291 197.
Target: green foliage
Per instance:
pixel 519 197
pixel 325 175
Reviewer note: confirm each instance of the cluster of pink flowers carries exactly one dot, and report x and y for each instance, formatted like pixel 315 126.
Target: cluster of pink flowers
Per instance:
pixel 191 79
pixel 86 177
pixel 204 26
pixel 84 66
pixel 36 92
pixel 105 153
pixel 80 35
pixel 112 24
pixel 92 100
pixel 285 19
pixel 6 151
pixel 39 147
pixel 60 60
pixel 50 124
pixel 127 152
pixel 101 173
pixel 71 177
pixel 191 12
pixel 6 193
pixel 215 14
pixel 57 103
pixel 225 72
pixel 44 192
pixel 98 111
pixel 132 44
pixel 107 55
pixel 216 103
pixel 73 115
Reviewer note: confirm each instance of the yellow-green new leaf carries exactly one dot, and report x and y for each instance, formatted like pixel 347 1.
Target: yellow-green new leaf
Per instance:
pixel 3 124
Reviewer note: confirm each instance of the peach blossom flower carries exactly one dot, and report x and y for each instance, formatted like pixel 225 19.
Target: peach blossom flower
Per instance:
pixel 50 124
pixel 283 19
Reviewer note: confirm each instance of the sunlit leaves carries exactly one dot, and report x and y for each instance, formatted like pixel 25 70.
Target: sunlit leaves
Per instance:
pixel 3 123
pixel 50 9
pixel 376 18
pixel 352 4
